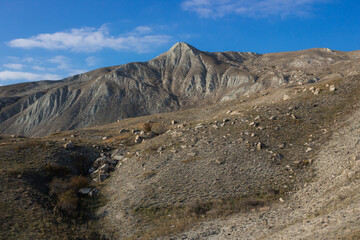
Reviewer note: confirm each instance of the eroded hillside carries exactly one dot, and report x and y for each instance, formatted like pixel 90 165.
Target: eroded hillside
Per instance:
pixel 279 162
pixel 180 78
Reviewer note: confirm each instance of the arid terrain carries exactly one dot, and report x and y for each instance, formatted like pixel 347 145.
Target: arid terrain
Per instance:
pixel 189 145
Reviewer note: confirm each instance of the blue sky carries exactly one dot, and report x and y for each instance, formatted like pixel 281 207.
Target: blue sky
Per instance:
pixel 53 39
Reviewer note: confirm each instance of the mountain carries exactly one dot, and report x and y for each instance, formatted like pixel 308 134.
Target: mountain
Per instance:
pixel 179 78
pixel 250 146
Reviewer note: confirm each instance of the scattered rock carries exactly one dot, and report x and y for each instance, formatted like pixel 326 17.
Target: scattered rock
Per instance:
pixel 332 88
pixel 273 118
pixel 275 157
pixel 104 138
pixel 85 191
pixel 281 200
pixel 181 125
pixel 200 125
pixel 308 149
pixel 103 177
pixel 226 120
pixel 191 154
pixel 69 145
pixel 286 97
pixel 104 168
pixel 135 131
pixel 124 130
pixel 259 146
pixel 138 139
pixel 293 116
pixel 173 122
pixel 219 162
pixel 118 157
pixel 150 134
pixel 93 192
pixel 254 124
pixel 236 112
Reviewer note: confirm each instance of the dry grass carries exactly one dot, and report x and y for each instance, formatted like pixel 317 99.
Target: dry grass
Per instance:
pixel 148 174
pixel 66 193
pixel 165 221
pixel 190 160
pixel 147 127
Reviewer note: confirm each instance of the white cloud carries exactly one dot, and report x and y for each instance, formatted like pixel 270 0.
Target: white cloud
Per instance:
pixel 254 8
pixel 26 76
pixel 92 39
pixel 15 66
pixel 91 60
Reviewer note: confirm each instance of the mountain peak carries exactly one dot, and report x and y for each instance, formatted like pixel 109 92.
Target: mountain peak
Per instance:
pixel 183 47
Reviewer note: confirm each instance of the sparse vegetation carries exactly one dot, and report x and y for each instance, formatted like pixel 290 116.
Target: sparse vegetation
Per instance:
pixel 33 168
pixel 190 160
pixel 147 127
pixel 165 221
pixel 66 192
pixel 148 174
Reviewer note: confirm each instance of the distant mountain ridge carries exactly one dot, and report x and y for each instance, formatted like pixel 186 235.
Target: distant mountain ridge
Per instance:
pixel 181 77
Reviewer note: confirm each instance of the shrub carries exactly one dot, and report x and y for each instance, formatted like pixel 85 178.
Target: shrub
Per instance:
pixel 58 186
pixel 149 174
pixel 66 193
pixel 56 170
pixel 79 182
pixel 147 127
pixel 68 202
pixel 197 208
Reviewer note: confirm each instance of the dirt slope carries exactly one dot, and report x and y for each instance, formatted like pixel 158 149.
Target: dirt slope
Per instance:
pixel 328 207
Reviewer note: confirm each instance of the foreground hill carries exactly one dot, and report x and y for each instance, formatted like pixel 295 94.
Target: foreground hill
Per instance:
pixel 279 164
pixel 179 78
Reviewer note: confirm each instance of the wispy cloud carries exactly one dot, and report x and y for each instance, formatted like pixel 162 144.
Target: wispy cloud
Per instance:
pixel 91 60
pixel 253 9
pixel 62 62
pixel 92 39
pixel 15 66
pixel 143 29
pixel 41 68
pixel 26 76
pixel 38 68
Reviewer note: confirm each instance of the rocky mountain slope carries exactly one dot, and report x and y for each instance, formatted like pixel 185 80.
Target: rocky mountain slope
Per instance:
pixel 278 162
pixel 179 78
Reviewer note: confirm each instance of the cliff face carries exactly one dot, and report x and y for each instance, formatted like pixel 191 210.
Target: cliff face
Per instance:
pixel 181 77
